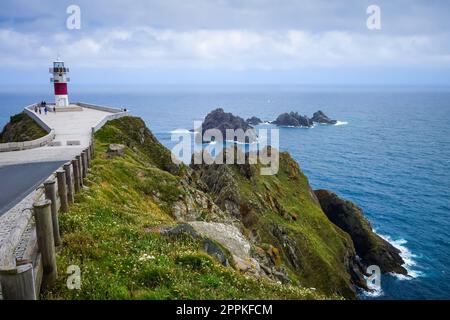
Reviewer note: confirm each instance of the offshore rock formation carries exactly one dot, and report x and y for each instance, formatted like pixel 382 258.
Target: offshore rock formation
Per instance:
pixel 322 118
pixel 293 119
pixel 254 121
pixel 221 120
pixel 372 249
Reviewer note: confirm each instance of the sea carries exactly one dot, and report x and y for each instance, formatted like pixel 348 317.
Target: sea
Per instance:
pixel 389 153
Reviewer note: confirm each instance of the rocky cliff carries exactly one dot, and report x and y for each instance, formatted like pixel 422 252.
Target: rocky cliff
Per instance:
pixel 373 249
pixel 285 235
pixel 146 227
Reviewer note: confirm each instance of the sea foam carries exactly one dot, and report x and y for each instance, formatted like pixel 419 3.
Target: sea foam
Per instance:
pixel 407 256
pixel 373 294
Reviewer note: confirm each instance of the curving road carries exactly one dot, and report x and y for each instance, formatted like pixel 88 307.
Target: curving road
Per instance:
pixel 17 181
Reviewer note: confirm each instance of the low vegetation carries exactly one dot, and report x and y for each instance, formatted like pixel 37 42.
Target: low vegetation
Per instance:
pixel 21 128
pixel 113 233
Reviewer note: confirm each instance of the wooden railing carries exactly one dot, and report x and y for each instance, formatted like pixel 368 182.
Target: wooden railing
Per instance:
pixel 22 276
pixel 27 255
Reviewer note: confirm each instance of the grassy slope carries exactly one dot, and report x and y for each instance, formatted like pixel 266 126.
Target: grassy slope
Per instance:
pixel 320 246
pixel 106 233
pixel 21 128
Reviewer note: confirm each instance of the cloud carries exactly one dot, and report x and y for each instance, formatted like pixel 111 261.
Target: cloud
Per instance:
pixel 165 36
pixel 234 49
pixel 399 17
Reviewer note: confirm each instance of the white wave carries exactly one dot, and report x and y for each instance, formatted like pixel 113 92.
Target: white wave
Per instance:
pixel 407 256
pixel 242 143
pixel 374 293
pixel 341 123
pixel 300 127
pixel 181 131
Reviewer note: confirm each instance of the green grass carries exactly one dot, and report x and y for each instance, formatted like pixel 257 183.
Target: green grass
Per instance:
pixel 111 233
pixel 320 246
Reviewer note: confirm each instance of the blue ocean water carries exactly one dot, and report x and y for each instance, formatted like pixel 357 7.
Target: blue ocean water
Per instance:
pixel 390 154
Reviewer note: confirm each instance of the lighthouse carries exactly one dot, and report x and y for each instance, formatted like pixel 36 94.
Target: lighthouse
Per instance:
pixel 60 80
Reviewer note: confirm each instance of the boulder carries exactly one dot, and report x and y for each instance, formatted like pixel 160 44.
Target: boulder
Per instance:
pixel 221 241
pixel 225 234
pixel 321 117
pixel 215 250
pixel 116 150
pixel 370 247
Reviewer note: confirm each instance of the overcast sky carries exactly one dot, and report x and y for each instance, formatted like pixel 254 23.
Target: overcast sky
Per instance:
pixel 227 41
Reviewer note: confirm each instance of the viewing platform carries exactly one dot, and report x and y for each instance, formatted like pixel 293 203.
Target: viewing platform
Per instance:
pixel 69 131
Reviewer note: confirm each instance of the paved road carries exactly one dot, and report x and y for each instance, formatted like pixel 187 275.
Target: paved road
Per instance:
pixel 17 181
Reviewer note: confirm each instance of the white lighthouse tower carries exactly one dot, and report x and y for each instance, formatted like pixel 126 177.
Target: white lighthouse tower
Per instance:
pixel 60 80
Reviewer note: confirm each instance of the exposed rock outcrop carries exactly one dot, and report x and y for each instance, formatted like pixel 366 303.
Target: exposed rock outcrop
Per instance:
pixel 116 149
pixel 221 120
pixel 372 249
pixel 321 117
pixel 224 242
pixel 293 119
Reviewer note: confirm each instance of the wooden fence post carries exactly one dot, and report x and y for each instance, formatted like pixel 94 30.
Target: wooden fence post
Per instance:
pixel 44 232
pixel 80 169
pixel 92 149
pixel 50 194
pixel 88 156
pixel 69 181
pixel 62 190
pixel 18 283
pixel 83 160
pixel 76 176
